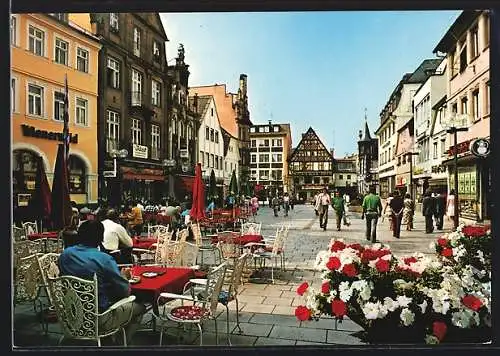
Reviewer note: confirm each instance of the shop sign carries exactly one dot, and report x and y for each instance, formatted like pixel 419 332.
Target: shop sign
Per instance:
pixel 480 147
pixel 31 131
pixel 139 151
pixel 438 169
pixel 462 147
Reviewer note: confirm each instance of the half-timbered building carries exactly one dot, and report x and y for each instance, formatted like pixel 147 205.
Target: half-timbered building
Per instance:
pixel 310 167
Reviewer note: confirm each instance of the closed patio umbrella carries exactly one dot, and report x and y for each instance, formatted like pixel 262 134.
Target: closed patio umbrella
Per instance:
pixel 41 202
pixel 197 211
pixel 61 203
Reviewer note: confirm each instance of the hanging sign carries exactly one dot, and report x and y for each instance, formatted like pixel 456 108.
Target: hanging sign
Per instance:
pixel 480 147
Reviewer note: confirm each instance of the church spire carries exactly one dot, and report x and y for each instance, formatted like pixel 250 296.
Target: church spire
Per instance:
pixel 367 136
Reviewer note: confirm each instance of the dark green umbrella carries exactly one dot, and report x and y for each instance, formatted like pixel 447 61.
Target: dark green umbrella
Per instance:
pixel 233 185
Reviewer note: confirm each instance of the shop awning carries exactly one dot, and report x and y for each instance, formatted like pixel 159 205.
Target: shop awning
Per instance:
pixel 138 176
pixel 185 182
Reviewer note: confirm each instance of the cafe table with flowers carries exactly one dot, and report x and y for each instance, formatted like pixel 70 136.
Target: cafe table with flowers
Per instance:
pixel 439 298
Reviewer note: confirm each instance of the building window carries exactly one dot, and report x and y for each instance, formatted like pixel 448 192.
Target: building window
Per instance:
pixel 13 30
pixel 266 143
pixel 454 108
pixel 443 147
pixel 13 95
pixel 36 41
pixel 77 175
pixel 156 51
pixel 212 135
pixel 453 63
pixel 155 142
pixel 475 105
pixel 202 156
pixel 463 58
pixel 81 112
pixel 216 162
pixel 61 52
pixel 216 136
pixel 136 88
pixel 486 30
pixel 254 158
pixel 464 105
pixel 113 130
pixel 341 177
pixel 60 16
pixel 35 100
pixel 155 93
pixel 434 150
pixel 207 133
pixel 252 129
pixel 59 106
pixel 136 131
pixel 207 159
pixel 114 22
pixel 137 42
pixel 348 176
pixel 113 71
pixel 211 160
pixel 212 112
pixel 276 128
pixel 474 42
pixel 487 97
pixel 82 60
pixel 253 143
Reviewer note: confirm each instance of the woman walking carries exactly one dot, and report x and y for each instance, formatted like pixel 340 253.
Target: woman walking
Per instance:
pixel 450 205
pixel 408 212
pixel 387 212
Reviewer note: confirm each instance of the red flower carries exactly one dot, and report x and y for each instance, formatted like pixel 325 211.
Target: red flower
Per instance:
pixel 333 263
pixel 339 308
pixel 409 260
pixel 303 313
pixel 439 329
pixel 337 246
pixel 472 302
pixel 447 252
pixel 381 253
pixel 474 231
pixel 356 247
pixel 302 288
pixel 325 288
pixel 350 270
pixel 443 242
pixel 368 255
pixel 382 266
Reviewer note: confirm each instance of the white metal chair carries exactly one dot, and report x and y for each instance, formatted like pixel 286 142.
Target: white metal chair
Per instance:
pixel 30 227
pixel 48 265
pixel 189 255
pixel 204 244
pixel 251 228
pixel 76 305
pixel 203 304
pixel 18 233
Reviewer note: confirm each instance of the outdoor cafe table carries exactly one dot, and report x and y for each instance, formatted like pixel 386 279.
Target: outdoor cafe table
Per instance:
pixel 44 235
pixel 143 242
pixel 172 280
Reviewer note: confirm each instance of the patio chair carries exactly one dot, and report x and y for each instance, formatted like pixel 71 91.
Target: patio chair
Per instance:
pixel 251 228
pixel 189 255
pixel 28 282
pixel 18 233
pixel 76 305
pixel 203 305
pixel 48 265
pixel 155 230
pixel 153 255
pixel 27 248
pixel 54 246
pixel 228 248
pixel 230 289
pixel 204 244
pixel 30 227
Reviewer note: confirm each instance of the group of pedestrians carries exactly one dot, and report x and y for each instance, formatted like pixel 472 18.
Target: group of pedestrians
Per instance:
pixel 435 207
pixel 339 204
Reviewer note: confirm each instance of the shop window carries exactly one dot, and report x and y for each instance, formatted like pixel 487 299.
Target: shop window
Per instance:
pixel 24 164
pixel 77 175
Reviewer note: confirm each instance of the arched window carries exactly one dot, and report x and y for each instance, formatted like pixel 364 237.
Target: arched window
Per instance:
pixel 24 170
pixel 77 175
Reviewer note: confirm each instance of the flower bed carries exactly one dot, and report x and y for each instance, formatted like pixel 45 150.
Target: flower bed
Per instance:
pixel 442 298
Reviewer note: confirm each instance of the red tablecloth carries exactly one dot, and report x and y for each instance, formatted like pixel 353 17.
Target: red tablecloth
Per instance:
pixel 143 242
pixel 172 281
pixel 44 235
pixel 242 240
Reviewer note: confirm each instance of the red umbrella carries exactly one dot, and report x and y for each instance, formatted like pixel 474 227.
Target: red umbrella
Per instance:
pixel 61 203
pixel 41 203
pixel 197 211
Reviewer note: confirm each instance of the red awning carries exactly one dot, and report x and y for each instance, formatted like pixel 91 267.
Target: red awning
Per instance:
pixel 136 176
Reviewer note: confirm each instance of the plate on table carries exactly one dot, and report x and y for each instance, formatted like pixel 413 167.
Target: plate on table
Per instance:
pixel 150 274
pixel 134 280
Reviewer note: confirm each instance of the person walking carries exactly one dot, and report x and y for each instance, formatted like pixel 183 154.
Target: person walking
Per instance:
pixel 450 205
pixel 286 203
pixel 338 206
pixel 408 212
pixel 347 201
pixel 316 204
pixel 440 211
pixel 275 203
pixel 428 209
pixel 387 212
pixel 372 210
pixel 324 201
pixel 396 205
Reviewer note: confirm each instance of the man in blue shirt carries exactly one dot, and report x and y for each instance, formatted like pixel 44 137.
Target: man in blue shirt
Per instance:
pixel 84 259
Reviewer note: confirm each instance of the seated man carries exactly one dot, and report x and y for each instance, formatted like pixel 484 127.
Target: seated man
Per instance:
pixel 84 259
pixel 117 238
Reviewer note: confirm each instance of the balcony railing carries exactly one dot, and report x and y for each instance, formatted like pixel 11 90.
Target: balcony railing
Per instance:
pixel 135 98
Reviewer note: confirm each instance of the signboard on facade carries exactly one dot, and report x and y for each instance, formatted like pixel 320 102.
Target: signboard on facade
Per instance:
pixel 184 154
pixel 480 147
pixel 31 131
pixel 139 151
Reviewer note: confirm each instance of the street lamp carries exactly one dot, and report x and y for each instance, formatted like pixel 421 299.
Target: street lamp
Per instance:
pixel 414 151
pixel 456 124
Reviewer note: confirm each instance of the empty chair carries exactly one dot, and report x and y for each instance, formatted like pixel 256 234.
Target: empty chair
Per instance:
pixel 30 228
pixel 251 228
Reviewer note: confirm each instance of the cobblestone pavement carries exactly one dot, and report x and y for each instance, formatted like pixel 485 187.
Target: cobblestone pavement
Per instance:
pixel 267 310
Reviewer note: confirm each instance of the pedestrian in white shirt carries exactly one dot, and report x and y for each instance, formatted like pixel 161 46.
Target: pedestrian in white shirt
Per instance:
pixel 324 200
pixel 347 200
pixel 116 237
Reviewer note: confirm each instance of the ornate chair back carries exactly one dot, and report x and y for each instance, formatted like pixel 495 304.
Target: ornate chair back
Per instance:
pixel 76 304
pixel 156 230
pixel 54 246
pixel 195 228
pixel 227 245
pixel 18 233
pixel 189 254
pixel 251 228
pixel 48 264
pixel 30 228
pixel 213 287
pixel 28 279
pixel 161 242
pixel 236 276
pixel 27 248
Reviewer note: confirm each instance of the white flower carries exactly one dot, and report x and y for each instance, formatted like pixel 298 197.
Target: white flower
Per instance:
pixel 423 306
pixel 372 311
pixel 321 260
pixel 432 246
pixel 403 300
pixel 390 304
pixel 431 339
pixel 345 291
pixel 365 293
pixel 377 246
pixel 407 316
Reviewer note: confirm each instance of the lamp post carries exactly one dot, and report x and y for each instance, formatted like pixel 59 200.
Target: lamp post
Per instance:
pixel 459 123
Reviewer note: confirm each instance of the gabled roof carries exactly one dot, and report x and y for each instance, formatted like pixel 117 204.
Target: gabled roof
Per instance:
pixel 154 21
pixel 309 134
pixel 203 104
pixel 461 24
pixel 223 102
pixel 424 70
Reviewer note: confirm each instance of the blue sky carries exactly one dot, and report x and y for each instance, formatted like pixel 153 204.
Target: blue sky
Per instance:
pixel 318 69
